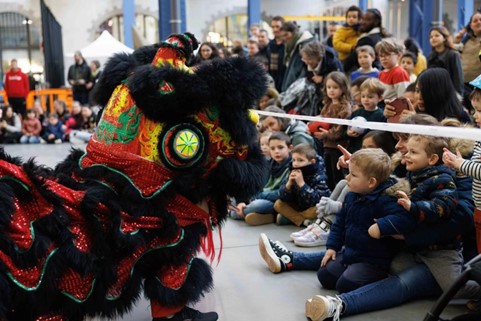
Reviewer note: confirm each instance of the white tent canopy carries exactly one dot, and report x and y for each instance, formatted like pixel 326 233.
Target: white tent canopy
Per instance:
pixel 104 46
pixel 101 49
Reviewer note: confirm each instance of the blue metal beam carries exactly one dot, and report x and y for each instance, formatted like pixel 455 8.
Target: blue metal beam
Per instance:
pixel 364 5
pixel 415 20
pixel 465 11
pixel 165 17
pixel 427 19
pixel 253 13
pixel 128 10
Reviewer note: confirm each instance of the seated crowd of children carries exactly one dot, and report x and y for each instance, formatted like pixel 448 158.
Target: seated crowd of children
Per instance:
pixel 55 127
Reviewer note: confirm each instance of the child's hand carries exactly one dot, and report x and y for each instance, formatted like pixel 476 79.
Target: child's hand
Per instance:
pixel 374 231
pixel 459 36
pixel 451 160
pixel 321 134
pixel 352 133
pixel 343 161
pixel 240 209
pixel 317 79
pixel 297 177
pixel 330 255
pixel 404 200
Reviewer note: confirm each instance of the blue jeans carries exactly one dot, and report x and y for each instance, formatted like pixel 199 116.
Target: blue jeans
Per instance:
pixel 335 275
pixel 260 206
pixel 415 282
pixel 29 139
pixel 307 261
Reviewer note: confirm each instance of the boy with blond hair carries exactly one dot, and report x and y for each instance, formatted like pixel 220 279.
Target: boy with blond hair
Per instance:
pixel 393 76
pixel 372 91
pixel 365 58
pixel 352 258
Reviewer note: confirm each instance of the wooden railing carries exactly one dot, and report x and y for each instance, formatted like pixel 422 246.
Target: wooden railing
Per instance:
pixel 46 97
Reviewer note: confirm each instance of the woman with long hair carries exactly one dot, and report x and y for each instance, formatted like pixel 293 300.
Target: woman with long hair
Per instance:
pixel 444 55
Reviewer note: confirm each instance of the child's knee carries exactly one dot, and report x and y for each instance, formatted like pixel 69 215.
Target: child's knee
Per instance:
pixel 326 278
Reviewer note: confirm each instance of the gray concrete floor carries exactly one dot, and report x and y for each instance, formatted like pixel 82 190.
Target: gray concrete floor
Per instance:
pixel 244 288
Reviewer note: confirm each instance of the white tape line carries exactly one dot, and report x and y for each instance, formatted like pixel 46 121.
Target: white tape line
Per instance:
pixel 441 131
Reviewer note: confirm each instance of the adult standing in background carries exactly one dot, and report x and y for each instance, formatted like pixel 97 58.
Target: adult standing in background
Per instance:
pixel 372 32
pixel 294 41
pixel 331 30
pixel 96 72
pixel 275 52
pixel 443 55
pixel 263 42
pixel 17 87
pixel 207 51
pixel 80 78
pixel 468 42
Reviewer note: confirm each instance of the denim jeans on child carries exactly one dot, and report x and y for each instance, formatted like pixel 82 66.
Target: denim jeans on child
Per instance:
pixel 415 282
pixel 336 275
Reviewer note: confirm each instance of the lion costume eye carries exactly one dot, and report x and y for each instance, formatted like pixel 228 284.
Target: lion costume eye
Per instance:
pixel 183 145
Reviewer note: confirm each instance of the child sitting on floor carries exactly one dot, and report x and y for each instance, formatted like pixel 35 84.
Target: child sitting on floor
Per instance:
pixel 261 210
pixel 352 258
pixel 304 187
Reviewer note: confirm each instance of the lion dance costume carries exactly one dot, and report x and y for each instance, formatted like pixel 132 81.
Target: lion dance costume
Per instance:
pixel 88 237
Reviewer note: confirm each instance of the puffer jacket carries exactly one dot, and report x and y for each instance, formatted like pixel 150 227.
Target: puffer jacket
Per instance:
pixel 358 212
pixel 314 188
pixel 344 40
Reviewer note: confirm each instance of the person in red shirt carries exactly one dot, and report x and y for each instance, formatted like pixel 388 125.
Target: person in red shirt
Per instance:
pixel 16 86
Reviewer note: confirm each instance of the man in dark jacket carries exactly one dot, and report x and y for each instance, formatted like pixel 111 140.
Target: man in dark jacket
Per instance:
pixel 275 53
pixel 79 77
pixel 372 33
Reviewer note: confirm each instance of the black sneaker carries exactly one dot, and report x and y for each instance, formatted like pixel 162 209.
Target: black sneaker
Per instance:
pixel 275 254
pixel 189 314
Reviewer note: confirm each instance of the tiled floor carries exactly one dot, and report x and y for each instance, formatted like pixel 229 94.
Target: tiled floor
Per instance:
pixel 245 290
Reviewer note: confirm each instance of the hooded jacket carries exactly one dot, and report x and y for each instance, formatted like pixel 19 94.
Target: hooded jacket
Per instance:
pixel 16 84
pixel 358 212
pixel 344 40
pixel 314 188
pixel 297 131
pixel 435 207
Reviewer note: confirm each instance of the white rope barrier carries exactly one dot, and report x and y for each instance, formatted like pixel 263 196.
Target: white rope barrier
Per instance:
pixel 440 131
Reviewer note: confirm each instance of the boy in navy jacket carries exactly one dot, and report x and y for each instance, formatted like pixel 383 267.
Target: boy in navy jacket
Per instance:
pixel 353 258
pixel 304 187
pixel 433 201
pixel 53 132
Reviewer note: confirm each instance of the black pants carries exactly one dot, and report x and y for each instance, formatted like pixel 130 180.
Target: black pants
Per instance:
pixel 19 105
pixel 331 156
pixel 82 96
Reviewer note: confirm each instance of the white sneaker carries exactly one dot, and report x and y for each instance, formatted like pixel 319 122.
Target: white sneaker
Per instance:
pixel 317 236
pixel 311 240
pixel 301 233
pixel 320 307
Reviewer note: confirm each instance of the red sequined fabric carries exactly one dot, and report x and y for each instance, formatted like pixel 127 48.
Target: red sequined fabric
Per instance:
pixel 134 167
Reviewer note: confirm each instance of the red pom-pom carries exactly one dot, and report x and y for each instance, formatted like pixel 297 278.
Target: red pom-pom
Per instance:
pixel 316 126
